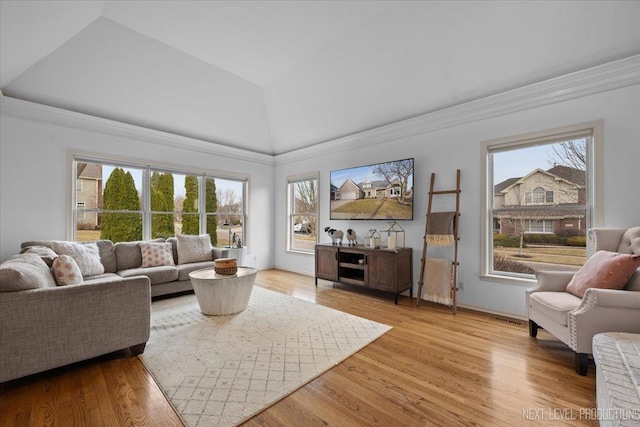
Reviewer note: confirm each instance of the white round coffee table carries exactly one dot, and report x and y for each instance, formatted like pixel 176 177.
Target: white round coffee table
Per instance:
pixel 220 294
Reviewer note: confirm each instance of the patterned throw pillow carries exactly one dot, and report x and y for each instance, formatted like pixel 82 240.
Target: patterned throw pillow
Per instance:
pixel 155 254
pixel 604 270
pixel 66 271
pixel 86 255
pixel 192 248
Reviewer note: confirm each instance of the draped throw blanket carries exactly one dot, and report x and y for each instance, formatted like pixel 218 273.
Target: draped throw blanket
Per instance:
pixel 440 228
pixel 438 274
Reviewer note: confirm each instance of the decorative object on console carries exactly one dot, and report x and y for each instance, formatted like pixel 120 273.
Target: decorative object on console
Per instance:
pixel 226 266
pixel 395 236
pixel 372 239
pixel 336 235
pixel 351 237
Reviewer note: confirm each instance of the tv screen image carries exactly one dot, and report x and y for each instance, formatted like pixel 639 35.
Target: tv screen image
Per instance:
pixel 382 191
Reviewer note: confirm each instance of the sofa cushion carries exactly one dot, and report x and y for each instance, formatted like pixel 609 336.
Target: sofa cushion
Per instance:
pixel 102 278
pixel 66 271
pixel 155 274
pixel 107 255
pixel 554 305
pixel 87 256
pixel 129 255
pixel 605 270
pixel 630 242
pixel 25 271
pixel 192 248
pixel 45 253
pixel 185 269
pixel 155 254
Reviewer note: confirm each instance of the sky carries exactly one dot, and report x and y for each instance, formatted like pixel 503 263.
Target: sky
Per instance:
pixel 358 175
pixel 518 163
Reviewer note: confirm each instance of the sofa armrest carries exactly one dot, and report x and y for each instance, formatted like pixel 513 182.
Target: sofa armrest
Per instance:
pixel 50 327
pixel 220 253
pixel 552 281
pixel 611 298
pixel 603 310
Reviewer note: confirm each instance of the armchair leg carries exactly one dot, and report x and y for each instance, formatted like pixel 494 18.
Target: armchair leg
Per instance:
pixel 582 363
pixel 533 328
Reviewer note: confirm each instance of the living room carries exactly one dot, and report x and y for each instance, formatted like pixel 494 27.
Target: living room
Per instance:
pixel 369 82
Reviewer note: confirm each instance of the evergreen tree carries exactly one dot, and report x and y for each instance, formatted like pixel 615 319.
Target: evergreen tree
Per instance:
pixel 120 194
pixel 162 201
pixel 212 206
pixel 190 222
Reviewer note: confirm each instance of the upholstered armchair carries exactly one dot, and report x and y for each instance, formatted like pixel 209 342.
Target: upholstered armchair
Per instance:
pixel 574 320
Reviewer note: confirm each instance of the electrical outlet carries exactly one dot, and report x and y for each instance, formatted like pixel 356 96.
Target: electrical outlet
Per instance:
pixel 461 285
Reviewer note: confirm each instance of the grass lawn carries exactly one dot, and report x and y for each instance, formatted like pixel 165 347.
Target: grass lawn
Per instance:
pixel 87 235
pixel 552 255
pixel 375 208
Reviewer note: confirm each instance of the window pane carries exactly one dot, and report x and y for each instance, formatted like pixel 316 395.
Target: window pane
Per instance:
pixel 305 196
pixel 230 196
pixel 121 227
pixel 303 232
pixel 538 213
pixel 86 230
pixel 230 228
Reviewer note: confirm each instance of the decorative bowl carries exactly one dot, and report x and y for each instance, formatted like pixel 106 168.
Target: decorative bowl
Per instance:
pixel 226 266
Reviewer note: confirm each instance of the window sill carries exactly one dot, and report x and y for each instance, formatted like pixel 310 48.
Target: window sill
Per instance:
pixel 521 281
pixel 297 251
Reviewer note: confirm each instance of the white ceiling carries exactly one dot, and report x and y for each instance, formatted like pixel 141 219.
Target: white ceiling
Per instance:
pixel 275 76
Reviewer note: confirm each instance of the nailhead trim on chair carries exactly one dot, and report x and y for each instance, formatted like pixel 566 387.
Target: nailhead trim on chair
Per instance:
pixel 588 301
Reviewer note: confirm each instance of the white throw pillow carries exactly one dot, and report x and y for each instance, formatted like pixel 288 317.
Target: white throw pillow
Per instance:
pixel 87 256
pixel 66 271
pixel 156 254
pixel 193 248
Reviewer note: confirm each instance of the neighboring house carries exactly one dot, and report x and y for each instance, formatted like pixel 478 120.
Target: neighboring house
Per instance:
pixel 556 196
pixel 89 195
pixel 349 190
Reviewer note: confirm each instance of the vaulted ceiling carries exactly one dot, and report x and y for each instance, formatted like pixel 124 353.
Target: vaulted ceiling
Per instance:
pixel 276 76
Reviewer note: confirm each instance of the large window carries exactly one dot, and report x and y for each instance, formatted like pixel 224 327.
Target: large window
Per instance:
pixel 541 198
pixel 127 202
pixel 302 206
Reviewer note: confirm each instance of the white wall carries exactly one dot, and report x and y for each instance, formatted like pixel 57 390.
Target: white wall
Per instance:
pixel 35 173
pixel 445 150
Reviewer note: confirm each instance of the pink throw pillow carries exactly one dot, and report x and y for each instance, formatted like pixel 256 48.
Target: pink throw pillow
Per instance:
pixel 604 270
pixel 66 271
pixel 155 254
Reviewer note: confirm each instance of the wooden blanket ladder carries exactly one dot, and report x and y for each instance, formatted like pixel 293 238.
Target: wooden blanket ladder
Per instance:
pixel 456 221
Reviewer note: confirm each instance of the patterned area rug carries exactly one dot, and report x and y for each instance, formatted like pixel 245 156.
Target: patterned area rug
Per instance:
pixel 222 370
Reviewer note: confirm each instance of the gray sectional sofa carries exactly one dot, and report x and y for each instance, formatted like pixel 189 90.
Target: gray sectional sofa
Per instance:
pixel 44 326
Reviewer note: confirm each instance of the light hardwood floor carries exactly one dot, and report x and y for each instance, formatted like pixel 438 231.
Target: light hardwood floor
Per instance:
pixel 432 368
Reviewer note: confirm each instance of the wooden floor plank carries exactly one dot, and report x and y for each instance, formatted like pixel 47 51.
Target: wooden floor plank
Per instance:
pixel 432 368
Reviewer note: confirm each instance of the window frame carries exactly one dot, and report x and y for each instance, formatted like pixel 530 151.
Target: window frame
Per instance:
pixel 291 180
pixel 594 184
pixel 147 168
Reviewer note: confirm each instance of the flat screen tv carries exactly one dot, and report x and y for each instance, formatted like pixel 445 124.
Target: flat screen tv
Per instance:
pixel 383 191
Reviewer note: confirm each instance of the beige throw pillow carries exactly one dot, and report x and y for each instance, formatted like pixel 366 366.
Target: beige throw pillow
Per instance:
pixel 155 254
pixel 193 248
pixel 25 271
pixel 604 270
pixel 86 255
pixel 66 271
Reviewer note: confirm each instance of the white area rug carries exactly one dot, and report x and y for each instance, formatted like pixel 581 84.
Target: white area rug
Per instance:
pixel 222 370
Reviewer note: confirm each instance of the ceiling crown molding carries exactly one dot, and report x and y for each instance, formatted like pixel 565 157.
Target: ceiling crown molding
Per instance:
pixel 602 78
pixel 60 117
